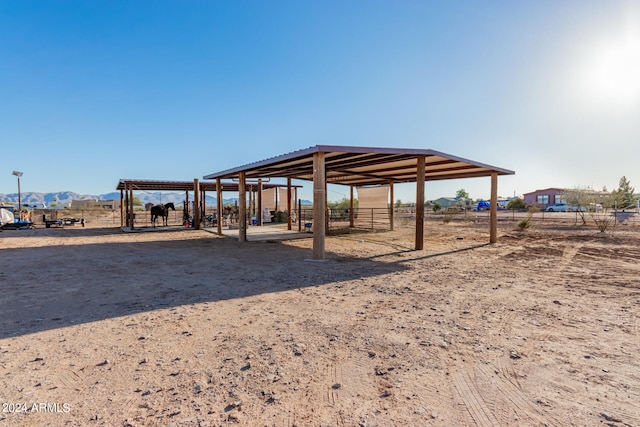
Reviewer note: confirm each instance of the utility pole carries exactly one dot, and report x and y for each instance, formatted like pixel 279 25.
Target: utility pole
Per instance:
pixel 19 174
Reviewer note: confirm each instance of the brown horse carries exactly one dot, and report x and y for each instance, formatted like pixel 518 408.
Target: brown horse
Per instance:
pixel 162 211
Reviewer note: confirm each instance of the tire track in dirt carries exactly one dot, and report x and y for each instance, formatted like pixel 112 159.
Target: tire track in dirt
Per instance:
pixel 473 400
pixel 331 383
pixel 497 399
pixel 511 392
pixel 569 254
pixel 342 382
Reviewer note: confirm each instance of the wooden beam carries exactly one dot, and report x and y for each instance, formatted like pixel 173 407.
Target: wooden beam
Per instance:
pixel 242 207
pixel 493 210
pixel 186 205
pixel 288 203
pixel 260 202
pixel 121 209
pixel 420 202
pixel 327 217
pixel 131 214
pixel 219 204
pixel 319 205
pixel 351 204
pixel 391 207
pixel 196 204
pixel 203 194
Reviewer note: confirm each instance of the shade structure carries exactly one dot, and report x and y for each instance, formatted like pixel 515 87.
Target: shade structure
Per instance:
pixel 363 166
pixel 128 186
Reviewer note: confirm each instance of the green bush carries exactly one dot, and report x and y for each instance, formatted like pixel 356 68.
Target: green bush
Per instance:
pixel 516 203
pixel 524 223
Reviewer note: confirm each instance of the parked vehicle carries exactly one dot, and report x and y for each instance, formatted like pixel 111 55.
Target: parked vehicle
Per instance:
pixel 563 207
pixel 560 207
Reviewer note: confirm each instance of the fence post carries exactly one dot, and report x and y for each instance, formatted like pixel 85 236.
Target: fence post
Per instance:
pixel 371 218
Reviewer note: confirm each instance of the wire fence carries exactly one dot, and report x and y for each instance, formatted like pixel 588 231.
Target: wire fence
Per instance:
pixel 367 219
pixel 549 218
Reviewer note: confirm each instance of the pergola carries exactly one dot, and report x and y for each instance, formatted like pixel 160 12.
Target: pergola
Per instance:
pixel 362 166
pixel 199 189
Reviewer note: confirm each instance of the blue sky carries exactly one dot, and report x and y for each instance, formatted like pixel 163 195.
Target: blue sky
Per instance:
pixel 95 91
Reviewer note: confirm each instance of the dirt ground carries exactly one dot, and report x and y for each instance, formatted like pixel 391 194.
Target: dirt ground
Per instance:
pixel 184 328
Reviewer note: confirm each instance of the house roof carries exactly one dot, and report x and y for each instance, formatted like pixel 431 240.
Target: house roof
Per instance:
pixel 546 190
pixel 350 165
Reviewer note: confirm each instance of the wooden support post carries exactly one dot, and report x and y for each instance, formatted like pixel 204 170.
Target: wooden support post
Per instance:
pixel 242 207
pixel 219 204
pixel 420 202
pixel 203 194
pixel 186 205
pixel 319 205
pixel 250 204
pixel 296 205
pixel 260 202
pixel 288 203
pixel 131 214
pixel 493 209
pixel 196 204
pixel 121 209
pixel 327 217
pixel 351 205
pixel 391 207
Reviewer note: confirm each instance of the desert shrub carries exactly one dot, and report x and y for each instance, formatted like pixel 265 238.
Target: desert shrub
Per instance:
pixel 524 223
pixel 602 219
pixel 280 217
pixel 447 218
pixel 516 203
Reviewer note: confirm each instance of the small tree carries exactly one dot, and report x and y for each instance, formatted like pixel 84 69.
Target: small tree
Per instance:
pixel 516 203
pixel 582 198
pixel 462 194
pixel 602 216
pixel 597 205
pixel 623 196
pixel 437 207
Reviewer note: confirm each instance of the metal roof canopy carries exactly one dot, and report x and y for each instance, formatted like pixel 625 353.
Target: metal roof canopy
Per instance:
pixel 195 186
pixel 363 166
pixel 150 185
pixel 360 166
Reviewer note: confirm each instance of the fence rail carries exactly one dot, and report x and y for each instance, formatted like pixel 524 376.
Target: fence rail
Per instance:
pixel 373 219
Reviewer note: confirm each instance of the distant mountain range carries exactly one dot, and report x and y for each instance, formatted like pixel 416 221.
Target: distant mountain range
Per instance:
pixel 64 198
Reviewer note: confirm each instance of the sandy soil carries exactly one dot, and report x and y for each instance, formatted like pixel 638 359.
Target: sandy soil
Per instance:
pixel 185 328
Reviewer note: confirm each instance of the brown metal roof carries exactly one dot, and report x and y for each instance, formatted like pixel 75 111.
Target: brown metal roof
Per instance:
pixel 149 185
pixel 363 166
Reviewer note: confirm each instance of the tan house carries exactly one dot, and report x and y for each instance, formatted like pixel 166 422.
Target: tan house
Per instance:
pixel 95 204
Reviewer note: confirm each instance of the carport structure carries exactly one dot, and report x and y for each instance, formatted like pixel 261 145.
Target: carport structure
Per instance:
pixel 362 166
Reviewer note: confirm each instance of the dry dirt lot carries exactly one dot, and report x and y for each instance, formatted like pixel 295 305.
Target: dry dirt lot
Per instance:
pixel 185 328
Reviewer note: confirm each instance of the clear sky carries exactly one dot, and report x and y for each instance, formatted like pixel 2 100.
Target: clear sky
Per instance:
pixel 95 91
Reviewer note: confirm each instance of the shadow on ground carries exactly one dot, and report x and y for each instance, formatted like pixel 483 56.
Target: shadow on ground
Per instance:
pixel 67 283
